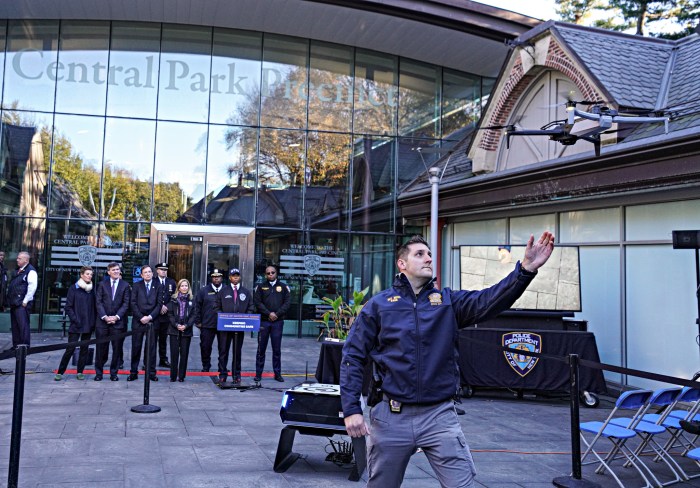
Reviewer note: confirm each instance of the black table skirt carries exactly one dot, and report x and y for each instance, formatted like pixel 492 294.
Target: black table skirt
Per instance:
pixel 481 365
pixel 328 367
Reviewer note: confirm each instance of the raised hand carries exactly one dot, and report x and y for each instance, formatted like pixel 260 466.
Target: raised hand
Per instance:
pixel 537 253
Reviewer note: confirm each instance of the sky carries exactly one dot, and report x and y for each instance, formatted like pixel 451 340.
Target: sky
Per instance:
pixel 540 9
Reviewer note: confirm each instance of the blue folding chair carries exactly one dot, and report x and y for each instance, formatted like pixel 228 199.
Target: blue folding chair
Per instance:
pixel 617 435
pixel 647 431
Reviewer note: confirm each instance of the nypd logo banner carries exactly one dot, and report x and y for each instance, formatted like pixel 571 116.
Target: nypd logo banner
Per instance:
pixel 522 341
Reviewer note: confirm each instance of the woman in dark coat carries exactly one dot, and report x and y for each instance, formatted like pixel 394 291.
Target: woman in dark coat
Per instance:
pixel 182 316
pixel 81 309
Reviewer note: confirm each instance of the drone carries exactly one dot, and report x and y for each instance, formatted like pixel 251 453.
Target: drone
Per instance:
pixel 560 130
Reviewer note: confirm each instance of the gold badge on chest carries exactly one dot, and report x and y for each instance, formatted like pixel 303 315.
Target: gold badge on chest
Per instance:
pixel 435 299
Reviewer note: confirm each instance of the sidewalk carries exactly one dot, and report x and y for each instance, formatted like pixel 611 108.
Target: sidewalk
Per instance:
pixel 83 434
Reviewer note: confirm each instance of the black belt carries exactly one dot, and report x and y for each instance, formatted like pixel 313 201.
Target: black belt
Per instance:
pixel 396 405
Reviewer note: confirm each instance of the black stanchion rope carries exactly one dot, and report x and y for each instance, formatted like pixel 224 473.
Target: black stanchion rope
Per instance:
pixel 57 347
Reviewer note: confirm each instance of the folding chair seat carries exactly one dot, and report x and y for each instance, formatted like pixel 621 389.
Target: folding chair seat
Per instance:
pixel 647 431
pixel 617 435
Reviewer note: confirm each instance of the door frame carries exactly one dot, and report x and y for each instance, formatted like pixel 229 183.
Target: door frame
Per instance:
pixel 220 234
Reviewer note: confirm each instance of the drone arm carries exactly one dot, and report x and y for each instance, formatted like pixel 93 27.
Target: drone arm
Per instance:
pixel 641 120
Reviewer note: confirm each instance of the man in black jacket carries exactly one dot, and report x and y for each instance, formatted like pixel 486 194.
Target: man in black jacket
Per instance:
pixel 162 322
pixel 113 297
pixel 205 318
pixel 415 358
pixel 233 298
pixel 20 297
pixel 3 281
pixel 145 307
pixel 272 298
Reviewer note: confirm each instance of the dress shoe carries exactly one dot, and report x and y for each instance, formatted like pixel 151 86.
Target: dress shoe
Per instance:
pixel 181 380
pixel 279 378
pixel 58 377
pixel 257 379
pixel 172 380
pixel 237 381
pixel 154 378
pixel 114 377
pixel 98 377
pixel 132 377
pixel 164 363
pixel 222 379
pixel 80 376
pixel 692 427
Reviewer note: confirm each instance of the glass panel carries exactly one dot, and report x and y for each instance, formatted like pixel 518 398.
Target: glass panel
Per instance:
pixel 461 103
pixel 487 86
pixel 185 67
pixel 590 226
pixel 126 244
pixel 235 77
pixel 656 221
pixel 419 99
pixel 180 167
pixel 3 39
pixel 661 313
pixel 280 178
pixel 128 169
pixel 373 184
pixel 133 70
pixel 185 259
pixel 413 162
pixel 231 171
pixel 82 66
pixel 25 148
pixel 77 166
pixel 371 263
pixel 480 232
pixel 223 256
pixel 284 82
pixel 330 87
pixel 521 228
pixel 326 198
pixel 30 74
pixel 375 93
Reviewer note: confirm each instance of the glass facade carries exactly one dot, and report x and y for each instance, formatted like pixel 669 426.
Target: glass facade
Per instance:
pixel 108 127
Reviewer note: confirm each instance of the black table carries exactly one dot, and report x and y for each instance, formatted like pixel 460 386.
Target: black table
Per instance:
pixel 329 358
pixel 481 365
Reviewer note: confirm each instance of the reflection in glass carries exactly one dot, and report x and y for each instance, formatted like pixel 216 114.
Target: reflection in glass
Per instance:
pixel 419 99
pixel 77 167
pixel 415 155
pixel 331 278
pixel 185 73
pixel 326 177
pixel 373 184
pixel 487 85
pixel 461 103
pixel 30 68
pixel 128 169
pixel 3 38
pixel 371 262
pixel 82 66
pixel 280 178
pixel 235 77
pixel 231 167
pixel 180 168
pixel 133 70
pixel 25 148
pixel 375 93
pixel 284 82
pixel 18 234
pixel 330 87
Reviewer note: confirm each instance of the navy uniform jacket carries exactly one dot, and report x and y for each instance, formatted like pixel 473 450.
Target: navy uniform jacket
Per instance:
pixel 165 295
pixel 268 299
pixel 205 303
pixel 81 309
pixel 225 302
pixel 143 304
pixel 413 339
pixel 119 306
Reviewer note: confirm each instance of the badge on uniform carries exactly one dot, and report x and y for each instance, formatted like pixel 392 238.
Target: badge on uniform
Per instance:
pixel 242 297
pixel 395 406
pixel 278 289
pixel 435 299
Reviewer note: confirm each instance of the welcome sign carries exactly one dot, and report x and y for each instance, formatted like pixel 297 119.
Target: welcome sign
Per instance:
pixel 238 322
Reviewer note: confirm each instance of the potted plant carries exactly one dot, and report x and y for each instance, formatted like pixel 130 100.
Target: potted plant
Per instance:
pixel 340 317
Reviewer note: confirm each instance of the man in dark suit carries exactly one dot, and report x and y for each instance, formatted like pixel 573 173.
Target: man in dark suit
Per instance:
pixel 205 318
pixel 162 322
pixel 113 296
pixel 233 298
pixel 145 307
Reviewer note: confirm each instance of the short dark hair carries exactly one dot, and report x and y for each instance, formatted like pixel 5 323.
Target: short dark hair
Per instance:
pixel 146 266
pixel 274 266
pixel 402 250
pixel 113 264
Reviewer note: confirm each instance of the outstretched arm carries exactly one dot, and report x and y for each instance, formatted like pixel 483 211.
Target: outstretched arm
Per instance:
pixel 537 253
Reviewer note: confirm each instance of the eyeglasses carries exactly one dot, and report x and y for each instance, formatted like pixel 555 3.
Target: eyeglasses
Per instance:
pixel 271 273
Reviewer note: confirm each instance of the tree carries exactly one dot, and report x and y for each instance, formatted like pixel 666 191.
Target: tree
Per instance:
pixel 641 14
pixel 576 11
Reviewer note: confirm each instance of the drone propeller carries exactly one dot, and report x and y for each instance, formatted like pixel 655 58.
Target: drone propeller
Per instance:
pixel 498 127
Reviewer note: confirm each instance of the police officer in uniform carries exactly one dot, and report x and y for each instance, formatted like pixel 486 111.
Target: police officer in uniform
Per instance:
pixel 3 281
pixel 205 317
pixel 234 298
pixel 415 357
pixel 271 298
pixel 20 298
pixel 162 323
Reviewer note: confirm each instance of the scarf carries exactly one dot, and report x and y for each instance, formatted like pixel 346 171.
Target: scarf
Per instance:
pixel 85 286
pixel 182 299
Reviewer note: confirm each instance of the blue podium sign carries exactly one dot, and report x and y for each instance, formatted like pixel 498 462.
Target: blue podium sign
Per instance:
pixel 238 322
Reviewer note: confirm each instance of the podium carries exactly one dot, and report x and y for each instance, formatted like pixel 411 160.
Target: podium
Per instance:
pixel 314 409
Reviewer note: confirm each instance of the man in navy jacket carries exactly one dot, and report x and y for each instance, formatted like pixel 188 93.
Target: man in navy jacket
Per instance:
pixel 410 332
pixel 145 307
pixel 113 296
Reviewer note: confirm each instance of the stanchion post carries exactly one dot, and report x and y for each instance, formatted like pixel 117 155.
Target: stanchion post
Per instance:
pixel 17 407
pixel 146 407
pixel 575 480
